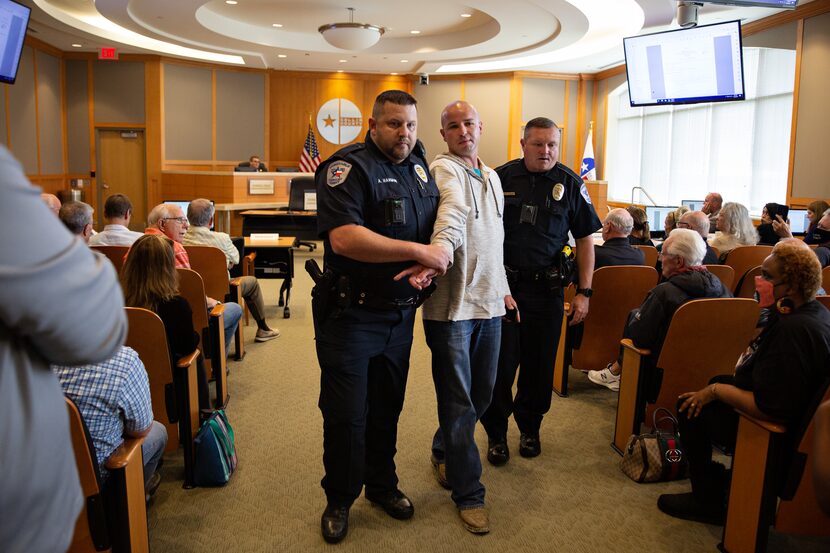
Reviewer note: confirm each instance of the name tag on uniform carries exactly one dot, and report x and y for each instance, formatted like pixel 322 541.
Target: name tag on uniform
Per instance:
pixel 509 194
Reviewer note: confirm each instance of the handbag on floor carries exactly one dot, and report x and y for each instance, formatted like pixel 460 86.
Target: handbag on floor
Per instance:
pixel 215 451
pixel 657 456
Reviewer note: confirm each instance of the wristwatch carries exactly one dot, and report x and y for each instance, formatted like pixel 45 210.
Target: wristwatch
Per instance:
pixel 587 292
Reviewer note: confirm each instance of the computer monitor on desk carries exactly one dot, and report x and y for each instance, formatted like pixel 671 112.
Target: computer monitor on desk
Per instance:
pixel 657 218
pixel 302 194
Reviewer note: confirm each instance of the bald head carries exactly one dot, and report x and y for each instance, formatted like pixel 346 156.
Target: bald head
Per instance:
pixel 696 221
pixel 712 203
pixel 618 224
pixel 52 202
pixel 461 130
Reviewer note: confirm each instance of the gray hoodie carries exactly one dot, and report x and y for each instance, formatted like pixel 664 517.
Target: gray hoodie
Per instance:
pixel 469 226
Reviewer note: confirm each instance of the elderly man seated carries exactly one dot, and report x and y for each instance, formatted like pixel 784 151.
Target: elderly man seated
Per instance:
pixel 712 204
pixel 616 250
pixel 699 222
pixel 77 217
pixel 200 216
pixel 168 220
pixel 118 210
pixel 52 202
pixel 686 280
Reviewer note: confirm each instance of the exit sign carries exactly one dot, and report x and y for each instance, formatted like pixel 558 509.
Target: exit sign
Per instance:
pixel 107 54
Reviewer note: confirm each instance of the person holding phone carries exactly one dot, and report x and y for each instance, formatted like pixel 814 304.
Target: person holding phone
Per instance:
pixel 766 233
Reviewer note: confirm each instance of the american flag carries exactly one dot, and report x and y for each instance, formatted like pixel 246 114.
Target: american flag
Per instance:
pixel 310 158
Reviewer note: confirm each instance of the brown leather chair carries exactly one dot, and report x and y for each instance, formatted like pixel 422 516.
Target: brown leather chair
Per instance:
pixel 747 288
pixel 744 258
pixel 617 290
pixel 705 339
pixel 651 254
pixel 127 528
pixel 211 329
pixel 173 390
pixel 824 300
pixel 211 264
pixel 725 274
pixel 752 495
pixel 115 254
pixel 825 279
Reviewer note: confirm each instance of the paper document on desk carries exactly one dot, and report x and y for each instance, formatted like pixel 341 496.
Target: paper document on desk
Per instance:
pixel 265 236
pixel 310 201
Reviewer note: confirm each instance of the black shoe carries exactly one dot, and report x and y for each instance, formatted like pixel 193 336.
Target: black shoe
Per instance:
pixel 529 445
pixel 151 486
pixel 497 452
pixel 334 523
pixel 394 502
pixel 685 506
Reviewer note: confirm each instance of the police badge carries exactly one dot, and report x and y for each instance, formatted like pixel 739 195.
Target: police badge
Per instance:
pixel 422 174
pixel 558 191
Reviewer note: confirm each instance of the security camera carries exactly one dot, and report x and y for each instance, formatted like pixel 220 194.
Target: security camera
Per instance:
pixel 424 79
pixel 687 13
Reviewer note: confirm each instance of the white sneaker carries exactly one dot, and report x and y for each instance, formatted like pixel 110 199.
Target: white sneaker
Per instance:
pixel 265 335
pixel 605 378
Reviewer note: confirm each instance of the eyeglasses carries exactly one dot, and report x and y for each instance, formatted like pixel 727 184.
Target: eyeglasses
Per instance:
pixel 181 220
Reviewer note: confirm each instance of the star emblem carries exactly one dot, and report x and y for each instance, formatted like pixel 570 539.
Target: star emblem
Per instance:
pixel 329 121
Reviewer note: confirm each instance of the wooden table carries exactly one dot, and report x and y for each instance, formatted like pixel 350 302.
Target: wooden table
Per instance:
pixel 275 259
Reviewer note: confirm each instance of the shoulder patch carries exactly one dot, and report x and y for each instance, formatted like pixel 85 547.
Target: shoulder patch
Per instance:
pixel 337 172
pixel 584 191
pixel 421 172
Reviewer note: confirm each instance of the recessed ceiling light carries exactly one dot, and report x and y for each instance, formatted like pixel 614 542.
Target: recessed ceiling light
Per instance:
pixel 339 70
pixel 76 45
pixel 414 32
pixel 281 56
pixel 277 25
pixel 394 73
pixel 466 15
pixel 404 61
pixel 231 2
pixel 343 61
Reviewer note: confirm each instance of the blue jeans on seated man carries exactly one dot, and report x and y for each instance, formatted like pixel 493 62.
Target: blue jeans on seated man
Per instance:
pixel 153 448
pixel 464 362
pixel 233 312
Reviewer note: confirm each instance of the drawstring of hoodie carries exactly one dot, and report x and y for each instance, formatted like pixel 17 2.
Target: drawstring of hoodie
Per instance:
pixel 475 201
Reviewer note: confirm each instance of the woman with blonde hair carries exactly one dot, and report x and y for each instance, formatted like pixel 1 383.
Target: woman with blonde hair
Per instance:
pixel 150 280
pixel 641 233
pixel 736 229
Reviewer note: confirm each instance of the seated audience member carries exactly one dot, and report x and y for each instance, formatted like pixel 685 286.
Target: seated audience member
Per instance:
pixel 766 233
pixel 169 221
pixel 254 162
pixel 815 210
pixel 670 222
pixel 821 236
pixel 77 217
pixel 640 233
pixel 774 380
pixel 821 457
pixel 200 216
pixel 118 210
pixel 699 222
pixel 712 204
pixel 52 202
pixel 686 280
pixel 735 229
pixel 114 399
pixel 150 281
pixel 615 249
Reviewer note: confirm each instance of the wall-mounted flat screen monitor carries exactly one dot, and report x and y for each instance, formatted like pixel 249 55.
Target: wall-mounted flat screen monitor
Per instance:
pixel 799 221
pixel 783 4
pixel 14 19
pixel 693 205
pixel 686 66
pixel 183 204
pixel 657 217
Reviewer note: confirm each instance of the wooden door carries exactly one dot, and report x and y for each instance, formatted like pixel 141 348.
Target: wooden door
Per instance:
pixel 121 170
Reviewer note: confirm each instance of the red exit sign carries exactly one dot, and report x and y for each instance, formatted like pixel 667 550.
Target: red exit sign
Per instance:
pixel 107 54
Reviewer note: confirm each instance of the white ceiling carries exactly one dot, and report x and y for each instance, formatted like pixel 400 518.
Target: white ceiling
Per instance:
pixel 562 36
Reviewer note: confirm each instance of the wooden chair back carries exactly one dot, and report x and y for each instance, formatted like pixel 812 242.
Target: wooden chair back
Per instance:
pixel 146 335
pixel 747 287
pixel 825 279
pixel 705 339
pixel 212 265
pixel 209 326
pixel 744 258
pixel 725 274
pixel 651 254
pixel 617 290
pixel 115 254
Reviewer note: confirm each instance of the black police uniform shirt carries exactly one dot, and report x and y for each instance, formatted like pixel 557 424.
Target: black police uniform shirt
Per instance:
pixel 562 204
pixel 360 185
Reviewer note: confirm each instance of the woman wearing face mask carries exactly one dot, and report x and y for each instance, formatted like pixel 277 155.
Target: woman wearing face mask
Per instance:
pixel 774 379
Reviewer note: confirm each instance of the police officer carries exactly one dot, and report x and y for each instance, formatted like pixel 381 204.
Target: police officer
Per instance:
pixel 543 201
pixel 376 206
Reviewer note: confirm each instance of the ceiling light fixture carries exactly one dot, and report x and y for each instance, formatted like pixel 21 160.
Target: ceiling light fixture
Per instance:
pixel 277 25
pixel 76 45
pixel 414 32
pixel 281 56
pixel 466 15
pixel 351 35
pixel 231 2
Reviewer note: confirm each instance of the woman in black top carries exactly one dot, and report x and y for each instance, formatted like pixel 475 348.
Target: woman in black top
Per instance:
pixel 150 280
pixel 775 379
pixel 641 233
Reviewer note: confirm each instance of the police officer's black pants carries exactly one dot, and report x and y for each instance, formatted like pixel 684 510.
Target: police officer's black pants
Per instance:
pixel 364 362
pixel 529 346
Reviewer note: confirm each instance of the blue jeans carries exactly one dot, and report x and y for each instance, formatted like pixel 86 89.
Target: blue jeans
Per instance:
pixel 464 362
pixel 153 448
pixel 233 312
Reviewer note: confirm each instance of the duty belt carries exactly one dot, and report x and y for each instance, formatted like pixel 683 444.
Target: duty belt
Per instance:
pixel 373 301
pixel 544 274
